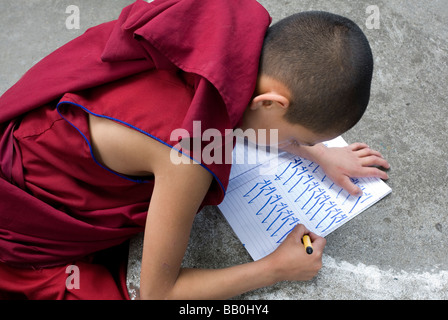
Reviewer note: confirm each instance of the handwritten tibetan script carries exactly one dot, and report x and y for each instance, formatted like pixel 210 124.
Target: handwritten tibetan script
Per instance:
pixel 264 208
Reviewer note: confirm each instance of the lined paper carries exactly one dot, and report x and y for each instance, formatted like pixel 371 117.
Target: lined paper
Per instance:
pixel 268 195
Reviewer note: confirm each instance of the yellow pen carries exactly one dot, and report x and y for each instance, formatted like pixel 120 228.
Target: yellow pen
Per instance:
pixel 307 243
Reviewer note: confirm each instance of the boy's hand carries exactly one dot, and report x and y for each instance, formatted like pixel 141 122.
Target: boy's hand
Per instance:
pixel 290 260
pixel 354 161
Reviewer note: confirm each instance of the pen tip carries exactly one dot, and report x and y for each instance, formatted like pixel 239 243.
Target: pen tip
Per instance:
pixel 309 250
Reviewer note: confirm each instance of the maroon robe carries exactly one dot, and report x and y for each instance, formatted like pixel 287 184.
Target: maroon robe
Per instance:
pixel 51 213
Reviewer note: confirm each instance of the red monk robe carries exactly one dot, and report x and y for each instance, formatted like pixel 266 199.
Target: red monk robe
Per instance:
pixel 58 206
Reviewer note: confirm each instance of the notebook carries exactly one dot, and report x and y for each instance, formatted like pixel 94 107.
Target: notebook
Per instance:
pixel 269 193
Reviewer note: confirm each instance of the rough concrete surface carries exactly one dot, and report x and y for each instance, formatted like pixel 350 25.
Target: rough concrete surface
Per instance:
pixel 397 249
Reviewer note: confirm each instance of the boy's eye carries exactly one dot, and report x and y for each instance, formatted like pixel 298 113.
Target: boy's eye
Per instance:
pixel 298 144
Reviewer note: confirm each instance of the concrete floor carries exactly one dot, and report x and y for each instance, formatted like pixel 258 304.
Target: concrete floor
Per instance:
pixel 397 249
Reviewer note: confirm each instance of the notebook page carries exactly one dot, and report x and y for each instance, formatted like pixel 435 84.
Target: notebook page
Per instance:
pixel 264 205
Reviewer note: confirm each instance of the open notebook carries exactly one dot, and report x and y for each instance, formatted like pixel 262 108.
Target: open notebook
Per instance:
pixel 268 195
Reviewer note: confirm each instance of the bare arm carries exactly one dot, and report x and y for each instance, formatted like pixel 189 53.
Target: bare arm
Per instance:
pixel 178 193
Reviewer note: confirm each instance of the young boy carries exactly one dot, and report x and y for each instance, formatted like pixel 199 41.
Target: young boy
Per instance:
pixel 87 164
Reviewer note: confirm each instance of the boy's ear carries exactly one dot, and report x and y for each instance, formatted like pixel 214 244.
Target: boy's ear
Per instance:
pixel 268 100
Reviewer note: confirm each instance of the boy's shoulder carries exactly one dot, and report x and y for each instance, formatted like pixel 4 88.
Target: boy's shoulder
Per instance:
pixel 129 152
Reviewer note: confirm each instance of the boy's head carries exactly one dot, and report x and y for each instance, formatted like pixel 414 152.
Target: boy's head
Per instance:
pixel 322 65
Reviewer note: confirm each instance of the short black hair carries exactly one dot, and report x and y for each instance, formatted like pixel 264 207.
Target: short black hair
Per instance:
pixel 325 60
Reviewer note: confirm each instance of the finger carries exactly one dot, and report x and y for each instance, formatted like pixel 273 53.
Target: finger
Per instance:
pixel 370 172
pixel 374 161
pixel 368 152
pixel 298 232
pixel 357 146
pixel 350 187
pixel 319 243
pixel 313 236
